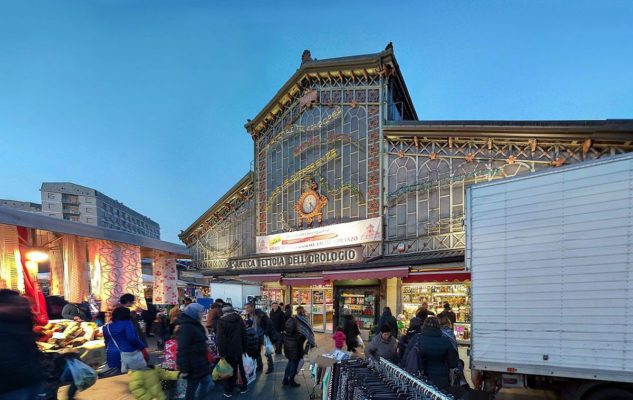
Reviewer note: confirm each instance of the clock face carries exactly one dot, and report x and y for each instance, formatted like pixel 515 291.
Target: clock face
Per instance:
pixel 309 203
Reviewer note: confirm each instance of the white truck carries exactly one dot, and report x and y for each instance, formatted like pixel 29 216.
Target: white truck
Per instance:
pixel 551 261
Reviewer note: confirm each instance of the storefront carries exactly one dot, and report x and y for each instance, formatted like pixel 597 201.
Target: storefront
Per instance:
pixel 354 204
pixel 437 288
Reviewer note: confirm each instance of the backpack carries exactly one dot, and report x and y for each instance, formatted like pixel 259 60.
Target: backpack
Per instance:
pixel 413 360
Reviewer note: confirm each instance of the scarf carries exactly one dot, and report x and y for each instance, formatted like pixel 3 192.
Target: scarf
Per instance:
pixel 305 330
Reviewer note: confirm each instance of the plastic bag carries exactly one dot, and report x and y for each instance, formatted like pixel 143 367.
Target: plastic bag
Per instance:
pixel 222 371
pixel 270 349
pixel 83 376
pixel 359 339
pixel 250 368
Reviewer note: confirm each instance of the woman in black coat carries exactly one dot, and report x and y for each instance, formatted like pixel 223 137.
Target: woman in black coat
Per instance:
pixel 191 356
pixel 438 354
pixel 293 349
pixel 351 331
pixel 415 327
pixel 19 356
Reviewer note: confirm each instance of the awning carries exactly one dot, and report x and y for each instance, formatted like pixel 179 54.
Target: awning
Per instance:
pixel 261 277
pixel 437 276
pixel 303 281
pixel 376 273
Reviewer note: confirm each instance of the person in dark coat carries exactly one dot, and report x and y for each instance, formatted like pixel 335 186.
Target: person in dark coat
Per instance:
pixel 351 330
pixel 75 312
pixel 19 356
pixel 287 313
pixel 278 319
pixel 149 316
pixel 191 354
pixel 423 312
pixel 232 344
pixel 415 327
pixel 388 319
pixel 449 313
pixel 438 354
pixel 264 327
pixel 293 350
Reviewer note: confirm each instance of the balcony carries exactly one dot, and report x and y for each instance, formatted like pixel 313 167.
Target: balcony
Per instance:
pixel 71 210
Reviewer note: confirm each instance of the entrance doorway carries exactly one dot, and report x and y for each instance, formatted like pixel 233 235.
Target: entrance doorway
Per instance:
pixel 318 302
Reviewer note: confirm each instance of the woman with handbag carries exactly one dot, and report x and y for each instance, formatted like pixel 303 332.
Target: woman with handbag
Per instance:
pixel 124 349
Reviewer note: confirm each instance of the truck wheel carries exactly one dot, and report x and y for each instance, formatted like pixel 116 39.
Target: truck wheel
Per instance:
pixel 609 394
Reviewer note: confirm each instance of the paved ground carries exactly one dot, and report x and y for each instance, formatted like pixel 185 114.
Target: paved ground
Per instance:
pixel 268 386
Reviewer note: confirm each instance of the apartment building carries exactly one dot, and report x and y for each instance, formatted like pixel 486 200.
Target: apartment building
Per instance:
pixel 69 201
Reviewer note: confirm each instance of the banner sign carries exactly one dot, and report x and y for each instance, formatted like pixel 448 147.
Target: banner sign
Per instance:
pixel 322 258
pixel 350 233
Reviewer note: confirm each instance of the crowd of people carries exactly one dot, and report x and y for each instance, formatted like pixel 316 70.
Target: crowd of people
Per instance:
pixel 427 347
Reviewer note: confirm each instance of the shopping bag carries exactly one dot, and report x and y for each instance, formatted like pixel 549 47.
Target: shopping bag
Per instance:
pixel 222 371
pixel 132 361
pixel 179 390
pixel 270 349
pixel 250 368
pixel 169 361
pixel 83 375
pixel 212 343
pixel 300 365
pixel 360 342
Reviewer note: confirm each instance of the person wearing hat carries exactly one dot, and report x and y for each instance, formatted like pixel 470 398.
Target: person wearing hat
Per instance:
pixel 350 329
pixel 191 357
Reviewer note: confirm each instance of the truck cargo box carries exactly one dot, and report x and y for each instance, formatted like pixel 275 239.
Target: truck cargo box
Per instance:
pixel 551 258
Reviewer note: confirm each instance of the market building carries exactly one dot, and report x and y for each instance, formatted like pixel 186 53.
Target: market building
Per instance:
pixel 354 203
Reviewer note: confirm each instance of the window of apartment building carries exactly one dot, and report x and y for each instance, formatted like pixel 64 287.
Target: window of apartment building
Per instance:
pixel 90 220
pixel 51 214
pixel 89 200
pixel 51 206
pixel 51 195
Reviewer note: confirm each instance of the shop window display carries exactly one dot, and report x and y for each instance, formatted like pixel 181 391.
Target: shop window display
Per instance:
pixel 362 303
pixel 436 294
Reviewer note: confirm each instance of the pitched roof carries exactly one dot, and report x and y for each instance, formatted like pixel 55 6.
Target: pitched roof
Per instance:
pixel 354 66
pixel 232 192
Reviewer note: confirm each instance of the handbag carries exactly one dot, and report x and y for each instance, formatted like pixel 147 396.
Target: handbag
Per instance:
pixel 130 360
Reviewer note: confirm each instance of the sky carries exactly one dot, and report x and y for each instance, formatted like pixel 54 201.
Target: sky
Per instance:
pixel 146 100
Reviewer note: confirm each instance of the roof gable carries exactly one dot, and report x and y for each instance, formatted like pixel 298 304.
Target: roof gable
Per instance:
pixel 382 64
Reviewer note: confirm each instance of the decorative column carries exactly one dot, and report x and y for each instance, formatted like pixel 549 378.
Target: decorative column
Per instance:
pixel 75 269
pixel 165 279
pixel 11 274
pixel 121 273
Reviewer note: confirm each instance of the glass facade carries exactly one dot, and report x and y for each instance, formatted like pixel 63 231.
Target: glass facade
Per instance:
pixel 330 143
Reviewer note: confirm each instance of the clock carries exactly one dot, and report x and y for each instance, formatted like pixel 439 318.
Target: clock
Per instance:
pixel 309 206
pixel 309 203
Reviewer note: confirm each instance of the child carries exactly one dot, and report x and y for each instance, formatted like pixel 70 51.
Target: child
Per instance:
pixel 339 338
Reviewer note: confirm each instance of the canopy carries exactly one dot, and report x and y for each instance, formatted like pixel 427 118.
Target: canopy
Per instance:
pixel 261 278
pixel 376 273
pixel 303 281
pixel 437 276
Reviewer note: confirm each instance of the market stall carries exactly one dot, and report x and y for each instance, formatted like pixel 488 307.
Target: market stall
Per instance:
pixel 437 288
pixel 64 335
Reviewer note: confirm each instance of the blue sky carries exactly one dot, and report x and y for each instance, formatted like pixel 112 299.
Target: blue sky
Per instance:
pixel 146 100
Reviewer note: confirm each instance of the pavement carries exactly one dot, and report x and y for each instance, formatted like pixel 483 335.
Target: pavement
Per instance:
pixel 269 386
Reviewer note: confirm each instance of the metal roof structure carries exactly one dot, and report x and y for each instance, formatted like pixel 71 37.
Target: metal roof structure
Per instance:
pixel 11 216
